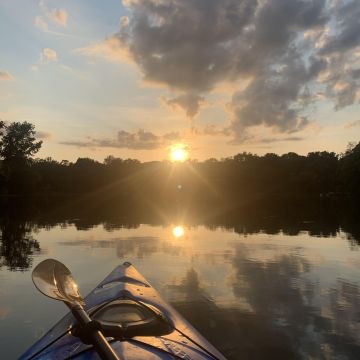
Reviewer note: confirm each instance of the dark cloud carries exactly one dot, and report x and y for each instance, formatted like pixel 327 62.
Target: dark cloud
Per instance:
pixel 278 91
pixel 283 51
pixel 341 85
pixel 271 100
pixel 190 103
pixel 185 44
pixel 340 48
pixel 139 140
pixel 277 139
pixel 211 130
pixel 347 34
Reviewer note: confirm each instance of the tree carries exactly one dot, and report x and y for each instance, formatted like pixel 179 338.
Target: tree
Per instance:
pixel 17 145
pixel 350 168
pixel 18 142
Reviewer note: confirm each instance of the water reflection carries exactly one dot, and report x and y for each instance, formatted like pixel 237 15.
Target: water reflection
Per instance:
pixel 276 280
pixel 288 317
pixel 139 247
pixel 281 298
pixel 344 315
pixel 17 244
pixel 236 333
pixel 318 217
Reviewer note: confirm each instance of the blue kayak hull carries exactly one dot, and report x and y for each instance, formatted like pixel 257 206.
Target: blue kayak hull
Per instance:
pixel 126 281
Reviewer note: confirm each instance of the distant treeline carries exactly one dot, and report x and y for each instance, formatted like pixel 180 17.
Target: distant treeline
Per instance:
pixel 318 173
pixel 245 174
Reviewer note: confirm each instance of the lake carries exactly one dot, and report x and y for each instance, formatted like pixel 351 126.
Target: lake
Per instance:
pixel 272 279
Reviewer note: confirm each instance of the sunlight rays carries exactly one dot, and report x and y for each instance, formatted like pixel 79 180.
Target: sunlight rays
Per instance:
pixel 179 152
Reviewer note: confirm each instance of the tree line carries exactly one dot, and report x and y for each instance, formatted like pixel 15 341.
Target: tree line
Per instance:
pixel 320 173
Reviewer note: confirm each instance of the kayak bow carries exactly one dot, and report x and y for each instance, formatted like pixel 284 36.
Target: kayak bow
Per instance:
pixel 133 317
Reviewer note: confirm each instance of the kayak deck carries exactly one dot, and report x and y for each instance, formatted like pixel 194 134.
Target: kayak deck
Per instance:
pixel 126 283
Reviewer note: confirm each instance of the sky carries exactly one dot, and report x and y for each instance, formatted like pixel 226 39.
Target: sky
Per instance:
pixel 132 78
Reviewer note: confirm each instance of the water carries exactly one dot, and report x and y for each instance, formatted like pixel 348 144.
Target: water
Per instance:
pixel 259 282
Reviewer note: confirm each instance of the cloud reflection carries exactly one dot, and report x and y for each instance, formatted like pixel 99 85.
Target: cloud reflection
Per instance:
pixel 290 316
pixel 260 296
pixel 286 301
pixel 140 247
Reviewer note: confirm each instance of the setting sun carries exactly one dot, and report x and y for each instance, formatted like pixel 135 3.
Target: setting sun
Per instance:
pixel 178 231
pixel 179 153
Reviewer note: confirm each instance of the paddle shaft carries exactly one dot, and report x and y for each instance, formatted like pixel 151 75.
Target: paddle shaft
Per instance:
pixel 100 343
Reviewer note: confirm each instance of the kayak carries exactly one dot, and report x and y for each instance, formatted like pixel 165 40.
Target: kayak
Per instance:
pixel 134 318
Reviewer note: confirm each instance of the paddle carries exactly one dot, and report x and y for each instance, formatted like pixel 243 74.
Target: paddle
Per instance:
pixel 54 279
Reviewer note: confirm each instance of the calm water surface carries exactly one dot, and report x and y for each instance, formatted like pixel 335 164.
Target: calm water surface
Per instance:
pixel 271 288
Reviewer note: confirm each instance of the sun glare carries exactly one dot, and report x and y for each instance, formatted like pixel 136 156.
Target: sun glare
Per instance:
pixel 178 153
pixel 178 231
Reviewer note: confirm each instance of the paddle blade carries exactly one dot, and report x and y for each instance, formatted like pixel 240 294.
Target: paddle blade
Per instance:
pixel 54 279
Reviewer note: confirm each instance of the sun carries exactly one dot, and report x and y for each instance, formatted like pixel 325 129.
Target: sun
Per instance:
pixel 179 153
pixel 178 231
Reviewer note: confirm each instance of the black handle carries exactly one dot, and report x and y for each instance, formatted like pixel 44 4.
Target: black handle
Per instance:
pixel 95 336
pixel 102 347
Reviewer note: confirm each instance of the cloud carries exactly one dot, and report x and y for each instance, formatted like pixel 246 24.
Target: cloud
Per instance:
pixel 270 102
pixel 190 103
pixel 139 140
pixel 124 21
pixel 41 23
pixel 6 76
pixel 48 55
pixel 281 54
pixel 352 124
pixel 42 135
pixel 58 16
pixel 165 40
pixel 278 139
pixel 109 49
pixel 211 130
pixel 347 35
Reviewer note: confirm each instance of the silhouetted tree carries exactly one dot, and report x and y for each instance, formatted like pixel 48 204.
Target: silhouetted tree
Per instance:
pixel 231 179
pixel 18 141
pixel 17 145
pixel 350 169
